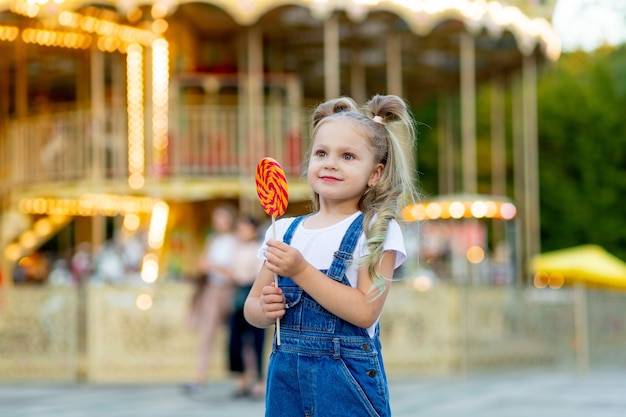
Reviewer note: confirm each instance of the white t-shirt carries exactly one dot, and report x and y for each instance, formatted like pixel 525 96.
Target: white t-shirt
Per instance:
pixel 220 250
pixel 318 245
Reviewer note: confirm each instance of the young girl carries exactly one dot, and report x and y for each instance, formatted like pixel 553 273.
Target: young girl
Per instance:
pixel 336 264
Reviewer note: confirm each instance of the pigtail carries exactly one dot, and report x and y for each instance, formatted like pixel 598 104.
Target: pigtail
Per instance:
pixel 395 137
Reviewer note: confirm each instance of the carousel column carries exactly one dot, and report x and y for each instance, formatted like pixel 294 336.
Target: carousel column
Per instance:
pixel 19 151
pixel 21 80
pixel 332 71
pixel 255 141
pixel 119 130
pixel 468 113
pixel 243 126
pixel 395 81
pixel 531 164
pixel 357 76
pixel 255 95
pixel 295 134
pixel 98 146
pixel 468 158
pixel 98 222
pixel 445 135
pixel 394 64
pixel 498 149
pixel 519 155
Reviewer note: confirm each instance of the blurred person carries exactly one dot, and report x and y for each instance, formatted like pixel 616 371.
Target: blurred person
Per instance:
pixel 212 302
pixel 133 248
pixel 109 265
pixel 246 341
pixel 81 264
pixel 60 274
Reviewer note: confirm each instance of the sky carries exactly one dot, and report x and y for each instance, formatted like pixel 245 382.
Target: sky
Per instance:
pixel 587 24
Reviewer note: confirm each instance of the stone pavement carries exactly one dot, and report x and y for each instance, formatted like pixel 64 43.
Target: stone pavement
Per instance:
pixel 510 394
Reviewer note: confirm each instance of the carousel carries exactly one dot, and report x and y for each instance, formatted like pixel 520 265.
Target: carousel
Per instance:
pixel 129 120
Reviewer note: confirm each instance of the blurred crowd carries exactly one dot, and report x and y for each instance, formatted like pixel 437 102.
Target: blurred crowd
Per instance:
pixel 117 261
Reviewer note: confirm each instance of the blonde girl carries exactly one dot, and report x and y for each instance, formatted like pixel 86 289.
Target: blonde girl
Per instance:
pixel 335 265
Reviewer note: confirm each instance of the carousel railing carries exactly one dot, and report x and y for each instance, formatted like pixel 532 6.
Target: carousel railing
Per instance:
pixel 203 140
pixel 446 330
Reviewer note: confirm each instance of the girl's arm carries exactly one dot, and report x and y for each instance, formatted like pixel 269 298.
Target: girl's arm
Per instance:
pixel 265 302
pixel 355 305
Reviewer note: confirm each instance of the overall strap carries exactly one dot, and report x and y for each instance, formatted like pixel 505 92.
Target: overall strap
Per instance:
pixel 343 256
pixel 292 228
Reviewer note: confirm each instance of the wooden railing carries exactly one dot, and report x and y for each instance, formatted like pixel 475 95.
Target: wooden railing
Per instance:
pixel 203 140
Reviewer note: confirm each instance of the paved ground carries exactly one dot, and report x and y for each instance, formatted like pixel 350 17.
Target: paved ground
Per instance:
pixel 512 394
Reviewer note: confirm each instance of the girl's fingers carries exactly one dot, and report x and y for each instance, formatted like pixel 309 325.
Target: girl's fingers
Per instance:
pixel 271 289
pixel 272 300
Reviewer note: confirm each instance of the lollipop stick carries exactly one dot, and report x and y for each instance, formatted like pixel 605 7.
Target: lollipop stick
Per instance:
pixel 276 284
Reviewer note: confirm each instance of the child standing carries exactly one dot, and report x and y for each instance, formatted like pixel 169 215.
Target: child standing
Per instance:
pixel 336 264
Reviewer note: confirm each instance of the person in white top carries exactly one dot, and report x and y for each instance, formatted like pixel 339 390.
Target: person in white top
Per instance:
pixel 212 303
pixel 334 266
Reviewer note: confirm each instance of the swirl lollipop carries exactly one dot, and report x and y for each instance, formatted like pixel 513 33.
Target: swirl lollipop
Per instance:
pixel 271 187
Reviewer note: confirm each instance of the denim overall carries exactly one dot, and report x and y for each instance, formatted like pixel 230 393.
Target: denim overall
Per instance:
pixel 325 366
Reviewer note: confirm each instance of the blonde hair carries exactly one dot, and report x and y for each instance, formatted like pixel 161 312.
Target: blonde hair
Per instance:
pixel 389 129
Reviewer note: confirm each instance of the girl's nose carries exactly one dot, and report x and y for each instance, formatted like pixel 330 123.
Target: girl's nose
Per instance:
pixel 330 162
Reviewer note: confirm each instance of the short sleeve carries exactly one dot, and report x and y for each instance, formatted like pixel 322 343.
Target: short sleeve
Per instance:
pixel 394 241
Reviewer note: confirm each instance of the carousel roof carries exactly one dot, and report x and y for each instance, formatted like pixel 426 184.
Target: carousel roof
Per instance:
pixel 428 31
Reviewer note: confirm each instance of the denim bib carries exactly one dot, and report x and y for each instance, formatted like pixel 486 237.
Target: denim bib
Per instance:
pixel 325 366
pixel 303 312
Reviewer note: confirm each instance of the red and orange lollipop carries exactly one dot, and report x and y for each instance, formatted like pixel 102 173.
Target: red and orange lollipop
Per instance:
pixel 271 186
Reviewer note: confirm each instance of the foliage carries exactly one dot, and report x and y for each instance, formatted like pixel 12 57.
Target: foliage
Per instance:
pixel 582 151
pixel 427 148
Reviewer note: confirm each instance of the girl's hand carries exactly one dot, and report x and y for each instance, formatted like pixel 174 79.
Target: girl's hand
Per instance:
pixel 283 259
pixel 272 302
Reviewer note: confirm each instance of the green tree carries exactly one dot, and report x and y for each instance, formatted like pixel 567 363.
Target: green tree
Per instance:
pixel 582 151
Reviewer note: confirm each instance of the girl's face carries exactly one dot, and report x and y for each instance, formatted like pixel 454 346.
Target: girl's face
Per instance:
pixel 342 164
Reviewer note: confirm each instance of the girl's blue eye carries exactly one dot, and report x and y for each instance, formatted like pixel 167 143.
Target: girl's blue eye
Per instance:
pixel 320 153
pixel 348 156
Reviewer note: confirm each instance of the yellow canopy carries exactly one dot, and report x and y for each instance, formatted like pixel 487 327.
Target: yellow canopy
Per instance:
pixel 588 264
